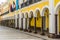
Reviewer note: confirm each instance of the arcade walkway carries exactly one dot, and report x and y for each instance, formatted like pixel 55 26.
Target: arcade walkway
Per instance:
pixel 7 33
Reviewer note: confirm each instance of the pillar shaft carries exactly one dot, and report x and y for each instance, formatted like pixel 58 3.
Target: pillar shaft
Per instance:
pixel 29 27
pixel 56 24
pixel 53 26
pixel 51 17
pixel 52 23
pixel 15 21
pixel 19 22
pixel 43 24
pixel 35 23
pixel 27 23
pixel 24 23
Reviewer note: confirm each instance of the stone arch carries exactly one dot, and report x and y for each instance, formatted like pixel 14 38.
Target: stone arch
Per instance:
pixel 57 7
pixel 26 15
pixel 57 18
pixel 31 22
pixel 38 20
pixel 43 10
pixel 26 21
pixel 21 20
pixel 37 13
pixel 45 16
pixel 31 14
pixel 22 15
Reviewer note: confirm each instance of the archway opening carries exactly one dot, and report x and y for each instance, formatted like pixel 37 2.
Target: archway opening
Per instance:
pixel 38 21
pixel 22 16
pixel 26 22
pixel 45 25
pixel 17 21
pixel 11 21
pixel 57 20
pixel 26 15
pixel 31 21
pixel 46 14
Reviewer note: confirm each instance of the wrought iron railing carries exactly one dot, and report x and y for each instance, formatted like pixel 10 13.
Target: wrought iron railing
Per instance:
pixel 29 2
pixel 5 13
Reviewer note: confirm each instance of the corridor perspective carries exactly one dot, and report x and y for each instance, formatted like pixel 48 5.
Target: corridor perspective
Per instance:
pixel 30 19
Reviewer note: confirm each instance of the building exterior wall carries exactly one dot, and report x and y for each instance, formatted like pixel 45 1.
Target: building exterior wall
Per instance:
pixel 41 6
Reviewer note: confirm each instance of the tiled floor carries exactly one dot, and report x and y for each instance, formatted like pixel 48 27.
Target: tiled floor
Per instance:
pixel 7 33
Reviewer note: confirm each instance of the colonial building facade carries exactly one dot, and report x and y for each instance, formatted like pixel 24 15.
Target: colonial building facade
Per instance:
pixel 34 15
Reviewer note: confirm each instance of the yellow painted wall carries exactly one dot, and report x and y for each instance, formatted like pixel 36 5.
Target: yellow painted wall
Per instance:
pixel 32 22
pixel 31 7
pixel 38 20
pixel 34 6
pixel 46 14
pixel 55 2
pixel 59 19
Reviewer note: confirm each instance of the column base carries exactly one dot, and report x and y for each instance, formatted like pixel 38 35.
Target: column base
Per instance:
pixel 21 28
pixel 17 27
pixel 11 27
pixel 46 32
pixel 53 36
pixel 25 30
pixel 42 33
pixel 35 32
pixel 29 31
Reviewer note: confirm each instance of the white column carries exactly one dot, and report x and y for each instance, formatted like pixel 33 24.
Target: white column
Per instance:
pixel 20 18
pixel 34 14
pixel 57 22
pixel 27 23
pixel 52 23
pixel 58 25
pixel 15 21
pixel 51 17
pixel 24 23
pixel 19 21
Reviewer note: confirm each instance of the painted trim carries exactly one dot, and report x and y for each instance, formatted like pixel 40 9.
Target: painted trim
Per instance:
pixel 36 10
pixel 34 4
pixel 29 14
pixel 56 7
pixel 26 13
pixel 21 15
pixel 43 9
pixel 7 18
